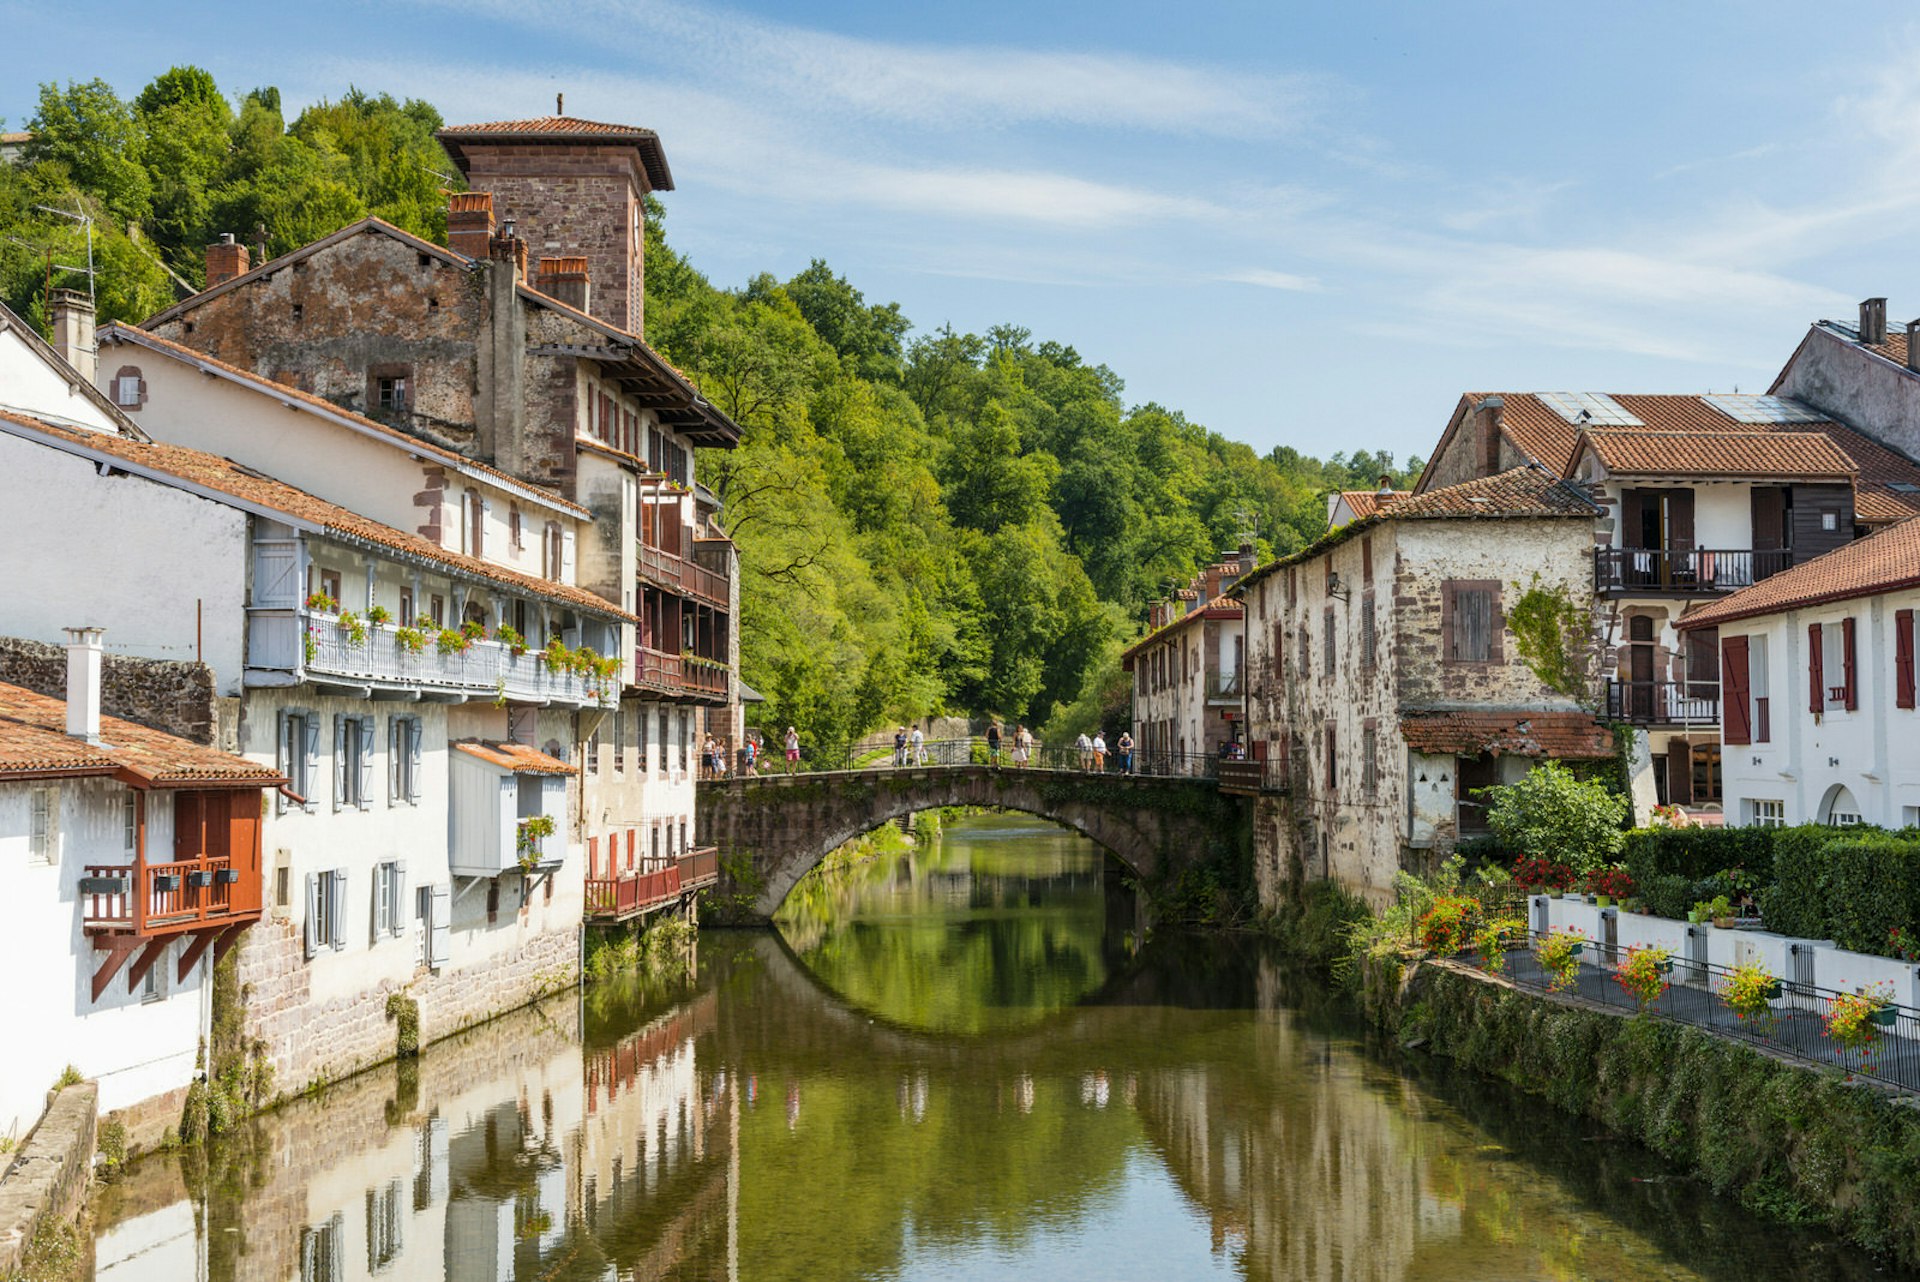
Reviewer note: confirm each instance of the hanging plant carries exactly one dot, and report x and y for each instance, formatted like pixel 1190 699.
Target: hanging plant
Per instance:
pixel 1644 972
pixel 532 831
pixel 351 624
pixel 556 654
pixel 1558 953
pixel 378 616
pixel 510 638
pixel 1854 1021
pixel 321 603
pixel 451 642
pixel 1748 992
pixel 410 640
pixel 1494 938
pixel 474 630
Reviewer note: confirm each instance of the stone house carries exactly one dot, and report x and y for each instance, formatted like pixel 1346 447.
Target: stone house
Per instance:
pixel 1699 496
pixel 1817 687
pixel 1386 686
pixel 1187 671
pixel 129 862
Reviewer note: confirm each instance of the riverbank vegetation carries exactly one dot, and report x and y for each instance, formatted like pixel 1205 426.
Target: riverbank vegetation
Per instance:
pixel 929 520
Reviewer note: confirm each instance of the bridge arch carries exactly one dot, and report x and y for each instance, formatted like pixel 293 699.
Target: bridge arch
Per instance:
pixel 774 829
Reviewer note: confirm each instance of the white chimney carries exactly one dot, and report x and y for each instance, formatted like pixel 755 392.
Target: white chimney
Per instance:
pixel 83 683
pixel 72 314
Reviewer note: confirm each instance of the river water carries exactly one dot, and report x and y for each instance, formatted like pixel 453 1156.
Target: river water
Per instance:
pixel 962 1063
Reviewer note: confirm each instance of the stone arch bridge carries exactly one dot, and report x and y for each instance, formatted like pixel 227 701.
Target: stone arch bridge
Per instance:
pixel 772 830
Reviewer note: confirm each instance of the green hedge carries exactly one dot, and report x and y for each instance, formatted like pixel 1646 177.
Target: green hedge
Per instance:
pixel 1698 853
pixel 1873 886
pixel 1795 903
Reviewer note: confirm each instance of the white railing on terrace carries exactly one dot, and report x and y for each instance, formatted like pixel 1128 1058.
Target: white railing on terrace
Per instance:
pixel 484 667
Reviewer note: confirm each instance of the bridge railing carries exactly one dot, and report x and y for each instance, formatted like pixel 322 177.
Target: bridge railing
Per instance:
pixel 1068 756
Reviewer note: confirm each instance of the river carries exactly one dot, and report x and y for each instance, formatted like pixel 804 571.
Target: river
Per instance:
pixel 966 1062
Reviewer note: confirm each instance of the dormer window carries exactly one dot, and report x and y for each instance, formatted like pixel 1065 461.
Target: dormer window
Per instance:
pixel 129 389
pixel 390 389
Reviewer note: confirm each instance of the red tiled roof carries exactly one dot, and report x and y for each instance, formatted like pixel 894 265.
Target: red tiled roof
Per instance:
pixel 1367 502
pixel 1883 561
pixel 545 125
pixel 1518 492
pixel 516 757
pixel 560 130
pixel 1219 608
pixel 1573 735
pixel 227 477
pixel 1634 451
pixel 34 743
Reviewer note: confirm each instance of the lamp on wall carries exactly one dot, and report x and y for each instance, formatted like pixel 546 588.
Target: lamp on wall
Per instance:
pixel 1336 589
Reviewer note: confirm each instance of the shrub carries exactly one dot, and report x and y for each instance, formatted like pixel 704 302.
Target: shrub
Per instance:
pixel 1443 927
pixel 1549 811
pixel 1667 894
pixel 1542 876
pixel 1873 889
pixel 1698 852
pixel 1796 901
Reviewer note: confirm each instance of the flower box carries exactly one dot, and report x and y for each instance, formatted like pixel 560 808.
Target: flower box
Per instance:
pixel 166 881
pixel 226 876
pixel 1884 1017
pixel 199 878
pixel 103 885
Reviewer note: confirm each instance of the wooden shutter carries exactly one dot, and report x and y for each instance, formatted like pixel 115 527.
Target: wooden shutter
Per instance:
pixel 1848 668
pixel 1680 520
pixel 284 760
pixel 393 760
pixel 1816 671
pixel 394 923
pixel 1632 503
pixel 312 723
pixel 189 824
pixel 1736 723
pixel 1769 517
pixel 312 932
pixel 1903 658
pixel 365 728
pixel 1679 773
pixel 339 760
pixel 414 736
pixel 339 914
pixel 439 919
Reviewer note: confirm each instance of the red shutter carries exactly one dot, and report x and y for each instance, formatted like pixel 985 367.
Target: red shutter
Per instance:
pixel 1847 665
pixel 1816 671
pixel 1679 773
pixel 1903 658
pixel 1735 723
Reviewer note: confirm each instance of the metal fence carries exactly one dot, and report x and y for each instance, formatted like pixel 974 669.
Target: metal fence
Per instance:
pixel 1059 757
pixel 1793 1025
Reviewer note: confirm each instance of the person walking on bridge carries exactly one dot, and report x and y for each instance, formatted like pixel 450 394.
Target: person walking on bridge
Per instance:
pixel 900 746
pixel 793 749
pixel 917 747
pixel 1125 747
pixel 993 743
pixel 1084 746
pixel 1099 752
pixel 1022 745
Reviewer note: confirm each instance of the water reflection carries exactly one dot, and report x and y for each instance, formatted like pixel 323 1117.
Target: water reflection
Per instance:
pixel 1195 1109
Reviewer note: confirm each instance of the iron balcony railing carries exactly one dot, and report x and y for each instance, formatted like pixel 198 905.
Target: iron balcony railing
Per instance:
pixel 159 898
pixel 1664 703
pixel 1224 685
pixel 682 574
pixel 1689 570
pixel 484 667
pixel 678 674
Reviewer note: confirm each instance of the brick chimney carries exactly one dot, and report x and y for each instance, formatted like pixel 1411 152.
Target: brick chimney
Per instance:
pixel 1487 425
pixel 470 223
pixel 72 314
pixel 1913 345
pixel 1873 320
pixel 226 258
pixel 509 248
pixel 1246 558
pixel 564 279
pixel 83 683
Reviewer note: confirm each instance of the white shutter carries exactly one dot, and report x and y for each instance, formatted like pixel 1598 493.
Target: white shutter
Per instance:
pixel 437 926
pixel 413 776
pixel 283 758
pixel 313 914
pixel 308 781
pixel 339 913
pixel 339 760
pixel 381 908
pixel 399 897
pixel 366 762
pixel 566 556
pixel 393 760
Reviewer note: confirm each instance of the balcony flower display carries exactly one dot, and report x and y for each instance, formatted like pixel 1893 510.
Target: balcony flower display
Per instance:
pixel 451 642
pixel 354 627
pixel 1644 972
pixel 508 637
pixel 1853 1021
pixel 321 603
pixel 1748 992
pixel 474 630
pixel 532 831
pixel 1558 952
pixel 378 616
pixel 410 640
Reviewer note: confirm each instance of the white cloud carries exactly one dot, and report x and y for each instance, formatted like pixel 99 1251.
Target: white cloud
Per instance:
pixel 1266 278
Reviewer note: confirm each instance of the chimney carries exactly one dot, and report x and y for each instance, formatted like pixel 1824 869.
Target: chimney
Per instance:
pixel 1246 558
pixel 83 683
pixel 564 279
pixel 509 248
pixel 470 223
pixel 72 315
pixel 1873 320
pixel 226 259
pixel 1386 484
pixel 1913 345
pixel 1488 412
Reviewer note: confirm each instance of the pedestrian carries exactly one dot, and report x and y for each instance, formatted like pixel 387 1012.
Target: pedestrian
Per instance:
pixel 793 750
pixel 707 764
pixel 1125 745
pixel 753 754
pixel 721 752
pixel 1022 745
pixel 900 746
pixel 917 747
pixel 1099 752
pixel 993 744
pixel 1084 746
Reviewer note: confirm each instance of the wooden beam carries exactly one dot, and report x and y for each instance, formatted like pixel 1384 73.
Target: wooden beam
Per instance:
pixel 117 948
pixel 191 953
pixel 228 938
pixel 144 962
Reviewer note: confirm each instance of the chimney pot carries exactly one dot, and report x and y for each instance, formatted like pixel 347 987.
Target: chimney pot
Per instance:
pixel 1873 320
pixel 226 259
pixel 83 683
pixel 1913 345
pixel 72 314
pixel 565 279
pixel 470 223
pixel 1386 484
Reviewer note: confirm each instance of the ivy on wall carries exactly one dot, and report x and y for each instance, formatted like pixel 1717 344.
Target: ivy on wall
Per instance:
pixel 1553 635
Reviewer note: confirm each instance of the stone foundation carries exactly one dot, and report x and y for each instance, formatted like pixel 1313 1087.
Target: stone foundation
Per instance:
pixel 48 1177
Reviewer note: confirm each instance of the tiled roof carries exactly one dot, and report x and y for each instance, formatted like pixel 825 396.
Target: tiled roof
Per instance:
pixel 1518 492
pixel 224 476
pixel 1219 608
pixel 561 129
pixel 167 347
pixel 34 742
pixel 1367 502
pixel 1572 735
pixel 1633 451
pixel 516 757
pixel 1884 560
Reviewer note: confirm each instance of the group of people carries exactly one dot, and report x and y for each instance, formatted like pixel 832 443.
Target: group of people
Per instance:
pixel 1022 744
pixel 1093 751
pixel 909 747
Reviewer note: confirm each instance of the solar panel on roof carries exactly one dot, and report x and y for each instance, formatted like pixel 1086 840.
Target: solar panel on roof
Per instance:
pixel 1743 408
pixel 1589 409
pixel 1903 487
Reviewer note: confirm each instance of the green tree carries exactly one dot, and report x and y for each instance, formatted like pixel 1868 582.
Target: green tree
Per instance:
pixel 1548 813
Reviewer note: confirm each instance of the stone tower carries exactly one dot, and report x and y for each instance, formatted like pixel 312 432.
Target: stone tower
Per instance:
pixel 572 188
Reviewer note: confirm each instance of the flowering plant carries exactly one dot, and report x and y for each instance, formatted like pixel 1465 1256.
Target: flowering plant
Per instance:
pixel 1443 927
pixel 1749 991
pixel 1902 945
pixel 1615 881
pixel 1644 972
pixel 1541 874
pixel 510 638
pixel 321 603
pixel 1493 939
pixel 351 624
pixel 451 642
pixel 1853 1020
pixel 378 614
pixel 474 630
pixel 1558 952
pixel 1669 816
pixel 411 640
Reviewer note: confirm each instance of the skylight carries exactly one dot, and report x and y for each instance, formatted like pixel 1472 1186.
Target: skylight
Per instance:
pixel 1744 408
pixel 1589 409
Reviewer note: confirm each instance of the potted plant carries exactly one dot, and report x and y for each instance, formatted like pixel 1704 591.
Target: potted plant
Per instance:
pixel 1749 992
pixel 1493 939
pixel 451 642
pixel 532 831
pixel 378 616
pixel 1558 952
pixel 1853 1021
pixel 351 625
pixel 474 630
pixel 1902 945
pixel 1644 972
pixel 1713 910
pixel 1443 927
pixel 321 603
pixel 410 640
pixel 515 643
pixel 1609 884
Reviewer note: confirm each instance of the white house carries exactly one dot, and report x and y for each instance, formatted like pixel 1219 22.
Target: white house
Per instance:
pixel 129 862
pixel 1817 687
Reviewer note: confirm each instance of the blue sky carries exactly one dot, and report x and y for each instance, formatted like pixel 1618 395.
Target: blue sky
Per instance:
pixel 1303 224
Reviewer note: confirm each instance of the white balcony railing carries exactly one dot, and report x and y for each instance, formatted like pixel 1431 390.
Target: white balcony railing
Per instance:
pixel 483 668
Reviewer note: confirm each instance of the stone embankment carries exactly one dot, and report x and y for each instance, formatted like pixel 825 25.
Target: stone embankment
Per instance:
pixel 47 1180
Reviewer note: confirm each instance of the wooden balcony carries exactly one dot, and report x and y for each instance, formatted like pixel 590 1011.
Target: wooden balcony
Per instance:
pixel 656 885
pixel 677 573
pixel 678 675
pixel 1684 572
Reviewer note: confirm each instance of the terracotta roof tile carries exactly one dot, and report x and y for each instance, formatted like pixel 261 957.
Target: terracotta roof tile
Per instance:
pixel 1633 451
pixel 1572 735
pixel 230 478
pixel 545 125
pixel 516 757
pixel 1220 607
pixel 1367 502
pixel 1884 560
pixel 34 742
pixel 1518 492
pixel 561 129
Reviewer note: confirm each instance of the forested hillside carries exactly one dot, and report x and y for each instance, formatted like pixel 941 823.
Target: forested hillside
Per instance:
pixel 928 520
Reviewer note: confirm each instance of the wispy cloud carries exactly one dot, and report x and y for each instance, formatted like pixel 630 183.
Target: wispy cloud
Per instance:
pixel 1266 278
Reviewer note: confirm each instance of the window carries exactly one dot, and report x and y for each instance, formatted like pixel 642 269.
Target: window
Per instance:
pixel 298 754
pixel 1330 645
pixel 476 524
pixel 1306 654
pixel 1369 767
pixel 129 821
pixel 516 535
pixel 593 753
pixel 1903 691
pixel 493 901
pixel 391 393
pixel 326 910
pixel 299 312
pixel 665 741
pixel 327 581
pixel 640 740
pixel 1333 766
pixel 554 544
pixel 403 760
pixel 437 610
pixel 129 389
pixel 320 1254
pixel 1831 674
pixel 1706 772
pixel 153 987
pixel 1366 561
pixel 1470 620
pixel 1766 814
pixel 406 607
pixel 1367 642
pixel 352 762
pixel 686 733
pixel 383 1226
pixel 389 891
pixel 1757 688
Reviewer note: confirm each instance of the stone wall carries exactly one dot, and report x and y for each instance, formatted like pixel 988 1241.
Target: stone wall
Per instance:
pixel 173 696
pixel 48 1177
